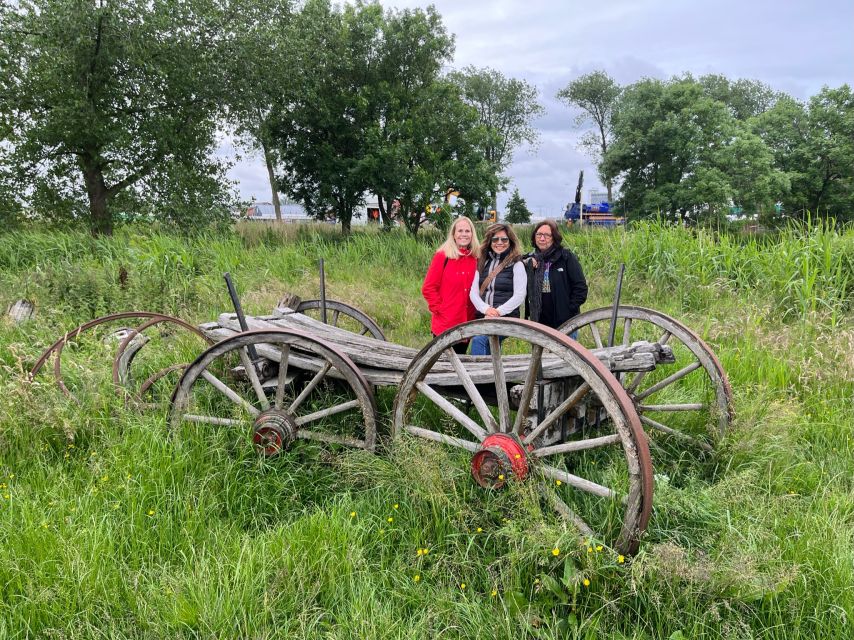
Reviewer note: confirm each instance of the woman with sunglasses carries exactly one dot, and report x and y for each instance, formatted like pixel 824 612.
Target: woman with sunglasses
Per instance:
pixel 446 285
pixel 556 284
pixel 500 280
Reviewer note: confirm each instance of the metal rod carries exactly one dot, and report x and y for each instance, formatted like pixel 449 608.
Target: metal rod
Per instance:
pixel 616 306
pixel 322 293
pixel 235 301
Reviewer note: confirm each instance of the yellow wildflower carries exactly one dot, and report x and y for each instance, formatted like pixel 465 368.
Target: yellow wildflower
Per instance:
pixel 621 559
pixel 479 530
pixel 501 476
pixel 598 548
pixel 555 551
pixel 390 519
pixel 396 506
pixel 558 482
pixel 417 578
pixel 352 514
pixel 151 512
pixel 589 549
pixel 420 552
pixel 494 593
pixel 586 582
pixel 463 586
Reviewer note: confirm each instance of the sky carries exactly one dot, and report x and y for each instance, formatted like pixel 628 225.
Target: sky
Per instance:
pixel 796 46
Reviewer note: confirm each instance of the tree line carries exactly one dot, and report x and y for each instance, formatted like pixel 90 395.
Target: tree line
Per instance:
pixel 113 110
pixel 695 148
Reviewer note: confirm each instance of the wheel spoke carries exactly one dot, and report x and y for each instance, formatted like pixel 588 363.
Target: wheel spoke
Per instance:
pixel 440 437
pixel 596 337
pixel 673 432
pixel 329 411
pixel 444 404
pixel 228 392
pixel 566 513
pixel 228 422
pixel 668 380
pixel 577 482
pixel 474 395
pixel 252 374
pixel 635 383
pixel 500 385
pixel 627 329
pixel 283 375
pixel 664 338
pixel 577 445
pixel 672 407
pixel 335 315
pixel 310 387
pixel 528 389
pixel 562 408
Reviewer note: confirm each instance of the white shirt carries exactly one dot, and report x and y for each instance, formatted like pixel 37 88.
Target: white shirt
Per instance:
pixel 520 288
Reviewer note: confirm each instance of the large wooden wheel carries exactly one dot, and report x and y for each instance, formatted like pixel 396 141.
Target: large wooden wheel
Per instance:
pixel 88 344
pixel 343 315
pixel 606 475
pixel 328 400
pixel 695 407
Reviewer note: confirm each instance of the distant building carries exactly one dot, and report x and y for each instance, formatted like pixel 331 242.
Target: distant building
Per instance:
pixel 293 211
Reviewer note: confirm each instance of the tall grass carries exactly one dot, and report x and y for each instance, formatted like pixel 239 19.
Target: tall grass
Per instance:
pixel 110 528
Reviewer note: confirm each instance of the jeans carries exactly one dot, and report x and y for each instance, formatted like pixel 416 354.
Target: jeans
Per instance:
pixel 480 345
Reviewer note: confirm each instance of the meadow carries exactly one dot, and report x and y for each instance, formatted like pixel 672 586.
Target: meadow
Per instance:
pixel 109 529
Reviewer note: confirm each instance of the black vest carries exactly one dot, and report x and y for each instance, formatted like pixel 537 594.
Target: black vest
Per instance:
pixel 502 285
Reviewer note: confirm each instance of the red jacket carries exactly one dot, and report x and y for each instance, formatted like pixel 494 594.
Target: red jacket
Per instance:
pixel 446 289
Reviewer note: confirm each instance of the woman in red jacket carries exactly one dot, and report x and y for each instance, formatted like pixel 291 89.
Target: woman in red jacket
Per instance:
pixel 449 278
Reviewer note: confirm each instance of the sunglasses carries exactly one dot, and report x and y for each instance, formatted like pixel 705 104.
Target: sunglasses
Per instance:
pixel 503 239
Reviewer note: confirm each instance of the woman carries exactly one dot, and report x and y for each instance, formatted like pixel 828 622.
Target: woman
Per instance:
pixel 500 280
pixel 449 277
pixel 556 284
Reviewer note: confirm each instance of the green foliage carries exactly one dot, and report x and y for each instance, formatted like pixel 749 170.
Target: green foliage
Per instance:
pixel 517 209
pixel 109 526
pixel 506 107
pixel 111 99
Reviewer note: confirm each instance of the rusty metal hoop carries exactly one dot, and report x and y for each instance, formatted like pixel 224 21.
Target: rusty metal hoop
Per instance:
pixel 291 349
pixel 592 325
pixel 368 325
pixel 57 347
pixel 553 355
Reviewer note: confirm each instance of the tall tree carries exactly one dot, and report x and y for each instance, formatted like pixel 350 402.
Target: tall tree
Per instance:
pixel 595 94
pixel 744 98
pixel 106 99
pixel 679 152
pixel 517 209
pixel 324 133
pixel 507 107
pixel 813 144
pixel 259 75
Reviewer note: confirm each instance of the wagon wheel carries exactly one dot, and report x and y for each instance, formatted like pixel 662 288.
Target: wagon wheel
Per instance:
pixel 695 408
pixel 608 476
pixel 331 403
pixel 137 387
pixel 340 314
pixel 87 339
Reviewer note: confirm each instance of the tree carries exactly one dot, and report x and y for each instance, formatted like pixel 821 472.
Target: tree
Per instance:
pixel 680 153
pixel 517 209
pixel 813 144
pixel 258 75
pixel 595 94
pixel 745 99
pixel 506 107
pixel 104 100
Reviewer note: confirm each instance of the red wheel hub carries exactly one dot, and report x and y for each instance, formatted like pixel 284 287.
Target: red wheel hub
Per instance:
pixel 273 432
pixel 500 456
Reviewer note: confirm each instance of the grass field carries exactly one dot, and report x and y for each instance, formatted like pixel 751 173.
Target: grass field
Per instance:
pixel 110 528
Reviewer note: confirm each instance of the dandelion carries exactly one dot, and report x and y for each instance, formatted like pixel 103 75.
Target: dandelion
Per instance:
pixel 463 586
pixel 558 482
pixel 586 582
pixel 589 549
pixel 479 530
pixel 426 551
pixel 389 519
pixel 397 506
pixel 151 512
pixel 11 475
pixel 417 577
pixel 352 514
pixel 44 525
pixel 555 551
pixel 6 495
pixel 621 559
pixel 598 548
pixel 105 479
pixel 501 476
pixel 494 593
pixel 420 552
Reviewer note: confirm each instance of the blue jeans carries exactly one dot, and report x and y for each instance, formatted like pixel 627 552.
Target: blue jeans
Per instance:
pixel 480 345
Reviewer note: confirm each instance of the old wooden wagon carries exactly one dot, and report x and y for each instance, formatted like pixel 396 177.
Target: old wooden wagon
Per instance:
pixel 542 408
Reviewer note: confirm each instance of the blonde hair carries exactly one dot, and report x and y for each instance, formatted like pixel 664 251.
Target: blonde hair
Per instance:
pixel 450 247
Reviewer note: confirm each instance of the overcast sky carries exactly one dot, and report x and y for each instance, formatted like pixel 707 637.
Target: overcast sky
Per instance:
pixel 796 46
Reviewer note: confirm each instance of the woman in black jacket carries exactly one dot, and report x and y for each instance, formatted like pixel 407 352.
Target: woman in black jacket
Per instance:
pixel 556 284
